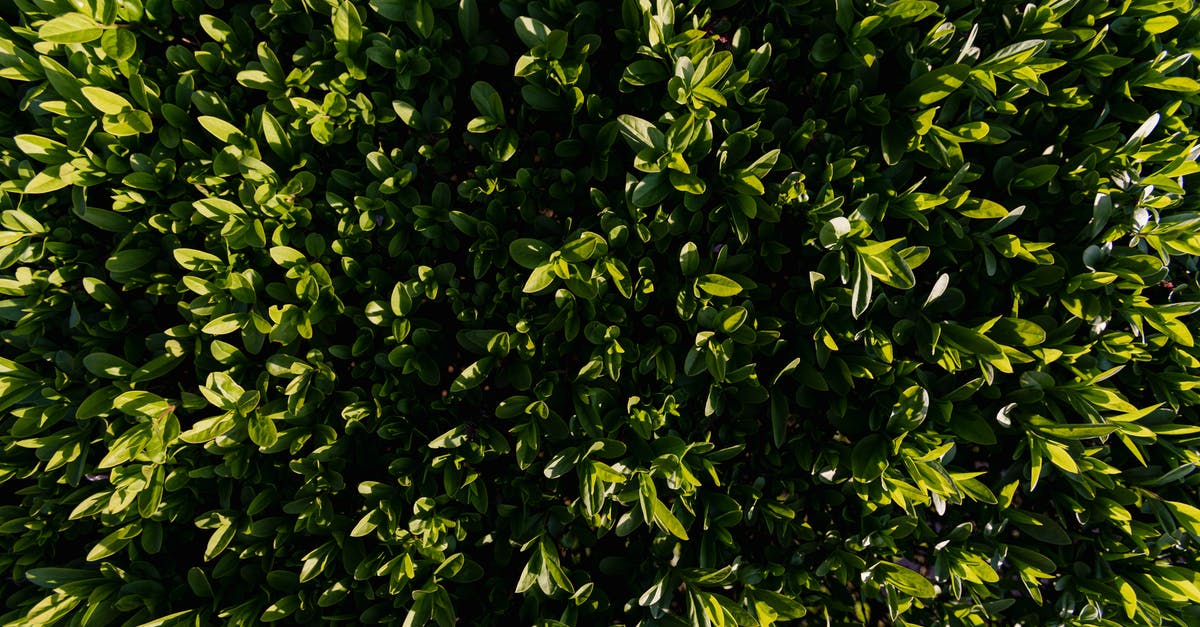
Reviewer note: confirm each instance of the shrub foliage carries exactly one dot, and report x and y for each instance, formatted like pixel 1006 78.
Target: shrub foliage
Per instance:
pixel 707 312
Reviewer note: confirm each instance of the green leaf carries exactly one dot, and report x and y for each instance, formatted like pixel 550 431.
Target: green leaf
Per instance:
pixel 541 98
pixel 128 123
pixel 408 113
pixel 52 609
pixel 645 72
pixel 1035 176
pixel 687 183
pixel 1160 24
pixel 107 365
pixel 172 619
pixel 453 438
pixel 932 87
pixel 969 340
pixel 156 367
pixel 1175 84
pixel 130 259
pixel 472 376
pixel 217 209
pixel 97 403
pixel 72 28
pixel 779 418
pixel 973 488
pixel 889 267
pixel 286 256
pixel 106 101
pixel 905 580
pixel 196 259
pixel 468 19
pixel 43 149
pixel 732 319
pixel 983 209
pixel 910 410
pixel 652 190
pixel 119 43
pixel 106 220
pixel 51 578
pixel 1188 516
pixel 142 180
pixel 667 521
pixel 347 27
pixel 394 10
pixel 280 609
pixel 1061 457
pixel 1013 55
pixel 51 179
pixel 487 100
pixel 532 32
pixel 225 324
pixel 1039 526
pixel 277 138
pixel 647 495
pixel 1012 331
pixel 581 248
pixel 220 538
pixel 718 285
pixel 714 68
pixel 834 231
pixel 139 403
pixel 222 130
pixel 640 134
pixel 562 463
pixel 869 458
pixel 783 606
pixel 216 28
pixel 689 259
pixel 262 431
pixel 907 11
pixel 541 278
pixel 1075 432
pixel 552 567
pixel 619 273
pixel 860 288
pixel 421 610
pixel 126 447
pixel 893 140
pixel 400 302
pixel 113 542
pixel 60 78
pixel 529 253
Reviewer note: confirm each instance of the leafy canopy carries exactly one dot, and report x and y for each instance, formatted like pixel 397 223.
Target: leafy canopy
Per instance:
pixel 657 312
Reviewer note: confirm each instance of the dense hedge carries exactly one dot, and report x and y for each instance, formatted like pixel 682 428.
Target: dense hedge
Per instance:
pixel 707 312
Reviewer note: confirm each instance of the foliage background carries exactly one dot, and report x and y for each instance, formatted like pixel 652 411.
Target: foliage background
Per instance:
pixel 706 312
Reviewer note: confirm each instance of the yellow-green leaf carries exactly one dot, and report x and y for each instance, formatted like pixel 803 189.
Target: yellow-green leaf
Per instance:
pixel 718 285
pixel 219 128
pixel 106 101
pixel 72 28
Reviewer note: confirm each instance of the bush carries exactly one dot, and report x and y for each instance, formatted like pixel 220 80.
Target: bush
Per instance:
pixel 707 312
